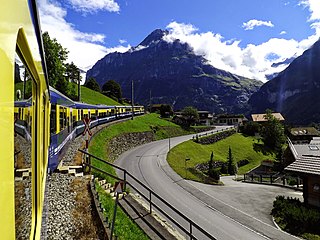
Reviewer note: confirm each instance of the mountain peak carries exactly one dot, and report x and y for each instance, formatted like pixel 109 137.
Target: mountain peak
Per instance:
pixel 156 35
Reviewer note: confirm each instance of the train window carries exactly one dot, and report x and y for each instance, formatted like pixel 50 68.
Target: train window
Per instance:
pixel 22 148
pixel 53 117
pixel 62 118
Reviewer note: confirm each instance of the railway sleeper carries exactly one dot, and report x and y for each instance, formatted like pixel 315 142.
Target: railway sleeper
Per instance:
pixel 20 174
pixel 76 171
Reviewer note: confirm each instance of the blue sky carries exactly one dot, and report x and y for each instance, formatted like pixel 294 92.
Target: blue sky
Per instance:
pixel 241 36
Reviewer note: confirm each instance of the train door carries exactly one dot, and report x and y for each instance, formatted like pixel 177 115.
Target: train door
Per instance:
pixel 23 165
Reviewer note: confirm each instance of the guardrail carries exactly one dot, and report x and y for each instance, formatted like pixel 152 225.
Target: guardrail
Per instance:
pixel 274 179
pixel 189 227
pixel 213 132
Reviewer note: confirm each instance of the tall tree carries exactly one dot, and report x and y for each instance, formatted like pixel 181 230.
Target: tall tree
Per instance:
pixel 72 72
pixel 273 132
pixel 211 162
pixel 166 110
pixel 92 84
pixel 112 89
pixel 232 167
pixel 190 114
pixel 55 56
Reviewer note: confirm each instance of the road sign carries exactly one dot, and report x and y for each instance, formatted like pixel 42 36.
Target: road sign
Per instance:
pixel 118 187
pixel 86 122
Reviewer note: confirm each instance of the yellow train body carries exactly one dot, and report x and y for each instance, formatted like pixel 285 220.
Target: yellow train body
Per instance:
pixel 18 36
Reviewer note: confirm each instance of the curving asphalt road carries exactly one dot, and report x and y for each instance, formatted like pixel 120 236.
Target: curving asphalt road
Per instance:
pixel 222 211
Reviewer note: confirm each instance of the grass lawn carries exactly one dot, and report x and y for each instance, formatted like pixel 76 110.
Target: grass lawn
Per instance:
pixel 93 97
pixel 242 148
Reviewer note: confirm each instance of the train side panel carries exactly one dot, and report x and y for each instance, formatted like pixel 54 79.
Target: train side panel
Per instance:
pixel 17 32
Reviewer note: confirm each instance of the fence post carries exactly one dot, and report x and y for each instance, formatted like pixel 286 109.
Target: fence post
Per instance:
pixel 150 202
pixel 260 178
pixel 284 181
pixel 298 182
pixel 271 178
pixel 251 177
pixel 124 180
pixel 191 237
pixel 89 164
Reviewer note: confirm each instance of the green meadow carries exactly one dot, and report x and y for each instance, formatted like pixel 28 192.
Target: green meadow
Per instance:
pixel 243 147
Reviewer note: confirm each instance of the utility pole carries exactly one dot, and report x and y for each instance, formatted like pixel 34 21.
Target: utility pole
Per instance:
pixel 132 98
pixel 79 91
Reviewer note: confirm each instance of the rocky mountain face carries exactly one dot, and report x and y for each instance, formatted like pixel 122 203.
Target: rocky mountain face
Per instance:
pixel 171 73
pixel 295 92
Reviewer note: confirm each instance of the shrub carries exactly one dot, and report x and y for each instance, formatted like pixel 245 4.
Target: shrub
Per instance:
pixel 250 129
pixel 243 162
pixel 224 169
pixel 215 137
pixel 294 216
pixel 214 173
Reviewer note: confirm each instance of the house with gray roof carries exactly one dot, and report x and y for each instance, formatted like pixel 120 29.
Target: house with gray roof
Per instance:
pixel 307 166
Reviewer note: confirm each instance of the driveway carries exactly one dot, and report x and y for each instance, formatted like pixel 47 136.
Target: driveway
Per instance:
pixel 254 200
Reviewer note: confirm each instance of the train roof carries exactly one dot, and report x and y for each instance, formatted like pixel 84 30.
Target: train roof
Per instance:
pixel 90 106
pixel 57 97
pixel 23 103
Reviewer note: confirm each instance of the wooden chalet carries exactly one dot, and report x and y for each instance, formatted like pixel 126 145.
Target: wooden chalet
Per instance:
pixel 307 167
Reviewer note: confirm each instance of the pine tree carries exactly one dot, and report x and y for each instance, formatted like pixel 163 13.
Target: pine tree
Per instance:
pixel 213 172
pixel 211 162
pixel 232 167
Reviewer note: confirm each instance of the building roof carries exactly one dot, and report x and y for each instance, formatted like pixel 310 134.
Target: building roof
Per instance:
pixel 262 117
pixel 304 131
pixel 307 157
pixel 308 165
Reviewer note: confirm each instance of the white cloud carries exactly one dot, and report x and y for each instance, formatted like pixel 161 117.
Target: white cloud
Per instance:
pixel 314 8
pixel 182 29
pixel 85 49
pixel 253 61
pixel 251 24
pixel 122 41
pixel 283 32
pixel 94 5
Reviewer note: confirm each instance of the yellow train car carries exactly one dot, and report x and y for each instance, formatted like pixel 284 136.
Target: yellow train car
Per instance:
pixel 21 43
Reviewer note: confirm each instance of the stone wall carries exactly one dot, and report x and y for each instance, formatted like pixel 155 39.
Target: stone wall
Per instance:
pixel 127 141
